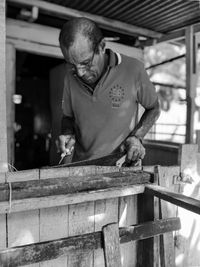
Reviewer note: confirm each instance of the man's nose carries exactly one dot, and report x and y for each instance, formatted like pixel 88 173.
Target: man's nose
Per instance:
pixel 80 72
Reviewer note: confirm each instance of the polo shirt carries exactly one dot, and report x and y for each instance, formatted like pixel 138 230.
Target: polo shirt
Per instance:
pixel 105 116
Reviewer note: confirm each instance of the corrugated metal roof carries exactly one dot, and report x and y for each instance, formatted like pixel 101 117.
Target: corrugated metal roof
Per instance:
pixel 154 17
pixel 158 15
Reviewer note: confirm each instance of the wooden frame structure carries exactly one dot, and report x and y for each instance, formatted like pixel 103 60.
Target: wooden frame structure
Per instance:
pixel 24 192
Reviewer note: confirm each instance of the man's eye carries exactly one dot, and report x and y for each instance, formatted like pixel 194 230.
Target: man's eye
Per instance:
pixel 85 63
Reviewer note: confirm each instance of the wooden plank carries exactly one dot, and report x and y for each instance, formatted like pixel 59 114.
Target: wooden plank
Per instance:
pixel 185 202
pixel 10 91
pixel 19 176
pixel 56 248
pixel 188 236
pixel 23 227
pixel 188 158
pixel 112 245
pixel 35 48
pixel 53 201
pixel 3 126
pixel 54 225
pixel 2 177
pixel 145 248
pixel 70 185
pixel 81 221
pixel 172 36
pixel 166 177
pixel 32 32
pixel 105 212
pixel 106 23
pixel 128 216
pixel 3 233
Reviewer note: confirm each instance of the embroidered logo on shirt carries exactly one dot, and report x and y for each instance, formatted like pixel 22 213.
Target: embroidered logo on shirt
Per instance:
pixel 116 94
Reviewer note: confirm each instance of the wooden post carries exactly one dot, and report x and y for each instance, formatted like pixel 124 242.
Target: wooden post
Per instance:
pixel 145 249
pixel 3 127
pixel 10 90
pixel 3 136
pixel 191 74
pixel 112 245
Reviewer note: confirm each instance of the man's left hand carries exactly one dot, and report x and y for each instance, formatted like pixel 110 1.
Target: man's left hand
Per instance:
pixel 135 149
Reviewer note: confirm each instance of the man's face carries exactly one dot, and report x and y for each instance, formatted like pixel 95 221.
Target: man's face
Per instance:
pixel 88 63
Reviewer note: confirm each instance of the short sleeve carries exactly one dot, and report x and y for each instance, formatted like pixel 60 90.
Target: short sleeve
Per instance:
pixel 66 100
pixel 146 94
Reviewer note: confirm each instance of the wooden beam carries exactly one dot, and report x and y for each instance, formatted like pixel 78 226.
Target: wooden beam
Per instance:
pixel 31 32
pixel 182 201
pixel 3 125
pixel 62 200
pixel 49 250
pixel 106 23
pixel 35 48
pixel 173 36
pixel 71 185
pixel 191 62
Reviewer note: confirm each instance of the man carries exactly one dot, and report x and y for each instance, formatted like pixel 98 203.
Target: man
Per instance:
pixel 102 90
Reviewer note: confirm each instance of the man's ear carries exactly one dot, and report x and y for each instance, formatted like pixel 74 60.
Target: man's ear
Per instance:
pixel 102 45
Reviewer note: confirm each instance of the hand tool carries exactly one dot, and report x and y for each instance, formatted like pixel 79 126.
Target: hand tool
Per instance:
pixel 115 159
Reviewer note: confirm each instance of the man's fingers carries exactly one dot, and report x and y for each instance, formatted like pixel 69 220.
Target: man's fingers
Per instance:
pixel 134 153
pixel 70 145
pixel 65 144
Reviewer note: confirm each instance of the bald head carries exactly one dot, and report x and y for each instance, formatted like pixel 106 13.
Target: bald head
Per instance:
pixel 78 28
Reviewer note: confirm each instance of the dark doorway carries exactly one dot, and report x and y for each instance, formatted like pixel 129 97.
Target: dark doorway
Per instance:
pixel 32 110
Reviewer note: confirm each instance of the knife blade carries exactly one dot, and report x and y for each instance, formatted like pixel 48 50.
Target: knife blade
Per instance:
pixel 109 160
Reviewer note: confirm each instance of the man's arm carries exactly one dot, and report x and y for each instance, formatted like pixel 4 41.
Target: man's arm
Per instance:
pixel 147 120
pixel 133 143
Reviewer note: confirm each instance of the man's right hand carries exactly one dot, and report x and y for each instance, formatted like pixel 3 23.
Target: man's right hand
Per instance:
pixel 65 144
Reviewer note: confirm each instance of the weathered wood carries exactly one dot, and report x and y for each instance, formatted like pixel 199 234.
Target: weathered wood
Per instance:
pixel 172 36
pixel 49 250
pixel 128 216
pixel 36 48
pixel 66 13
pixel 2 177
pixel 166 179
pixel 81 221
pixel 190 222
pixel 69 185
pixel 10 91
pixel 26 175
pixel 3 126
pixel 191 59
pixel 105 212
pixel 145 248
pixel 54 224
pixel 61 200
pixel 112 245
pixel 31 32
pixel 185 202
pixel 3 136
pixel 3 232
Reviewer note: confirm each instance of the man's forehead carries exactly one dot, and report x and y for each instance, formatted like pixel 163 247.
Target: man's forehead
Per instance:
pixel 81 48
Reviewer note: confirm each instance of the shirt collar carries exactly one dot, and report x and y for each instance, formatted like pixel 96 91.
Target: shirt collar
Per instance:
pixel 114 58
